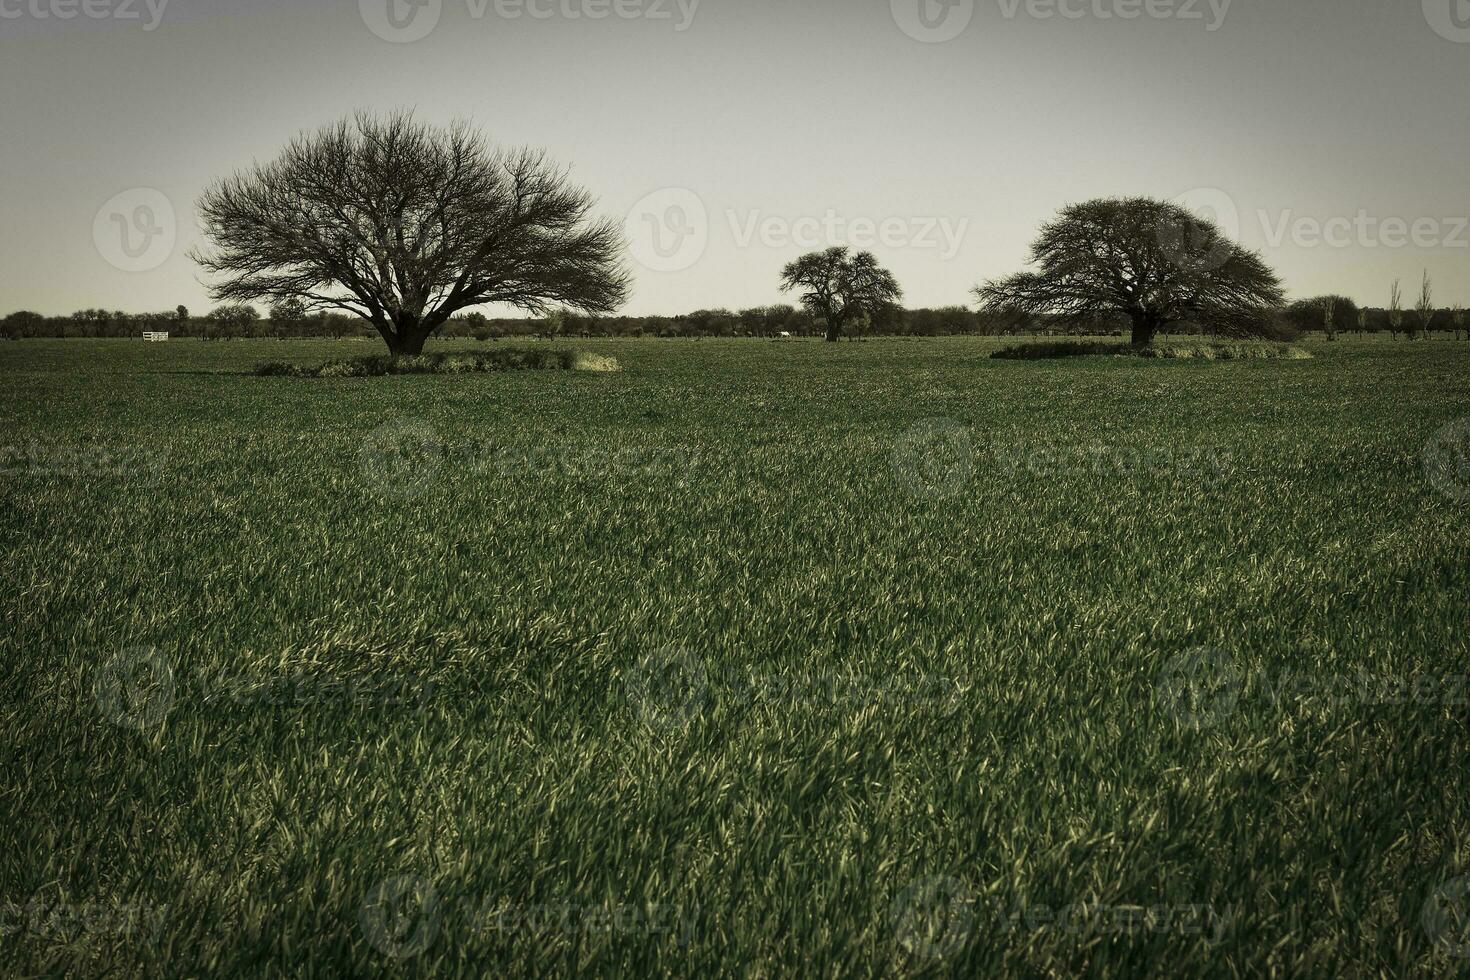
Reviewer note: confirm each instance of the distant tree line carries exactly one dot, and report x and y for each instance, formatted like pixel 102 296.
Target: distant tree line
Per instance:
pixel 236 322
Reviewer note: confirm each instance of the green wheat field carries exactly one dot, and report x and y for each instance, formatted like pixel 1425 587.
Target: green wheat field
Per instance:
pixel 757 658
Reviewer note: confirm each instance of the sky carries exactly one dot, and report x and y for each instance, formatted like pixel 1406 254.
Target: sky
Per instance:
pixel 731 136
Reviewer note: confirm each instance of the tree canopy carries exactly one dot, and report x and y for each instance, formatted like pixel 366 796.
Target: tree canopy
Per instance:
pixel 1153 261
pixel 405 224
pixel 839 289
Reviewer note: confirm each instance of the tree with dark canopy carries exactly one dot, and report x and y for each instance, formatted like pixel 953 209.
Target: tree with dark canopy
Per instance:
pixel 405 225
pixel 1153 261
pixel 839 289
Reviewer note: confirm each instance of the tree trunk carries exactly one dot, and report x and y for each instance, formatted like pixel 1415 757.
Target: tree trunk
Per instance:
pixel 405 339
pixel 834 331
pixel 409 344
pixel 1144 328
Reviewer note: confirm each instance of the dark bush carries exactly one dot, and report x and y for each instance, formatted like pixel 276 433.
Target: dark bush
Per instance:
pixel 503 359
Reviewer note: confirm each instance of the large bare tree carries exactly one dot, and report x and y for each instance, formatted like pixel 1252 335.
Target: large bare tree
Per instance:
pixel 1154 262
pixel 405 224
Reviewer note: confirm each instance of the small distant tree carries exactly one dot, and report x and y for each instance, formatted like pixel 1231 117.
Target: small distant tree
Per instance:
pixel 1330 314
pixel 838 288
pixel 1396 310
pixel 336 325
pixel 1457 317
pixel 1155 262
pixel 552 325
pixel 478 325
pixel 288 318
pixel 23 323
pixel 1424 307
pixel 181 319
pixel 232 320
pixel 1362 322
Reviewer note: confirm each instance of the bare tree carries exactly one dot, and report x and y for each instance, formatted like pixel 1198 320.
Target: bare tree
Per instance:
pixel 404 225
pixel 1153 261
pixel 1329 317
pixel 1424 307
pixel 1396 310
pixel 841 290
pixel 1362 322
pixel 1457 317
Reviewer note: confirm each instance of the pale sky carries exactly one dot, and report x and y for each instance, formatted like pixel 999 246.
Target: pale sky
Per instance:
pixel 745 132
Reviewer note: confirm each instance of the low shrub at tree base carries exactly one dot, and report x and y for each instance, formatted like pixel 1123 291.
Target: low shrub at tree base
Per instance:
pixel 1219 351
pixel 504 359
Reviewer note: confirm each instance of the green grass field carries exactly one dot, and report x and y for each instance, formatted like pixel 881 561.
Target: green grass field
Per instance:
pixel 760 658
